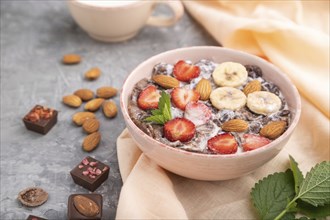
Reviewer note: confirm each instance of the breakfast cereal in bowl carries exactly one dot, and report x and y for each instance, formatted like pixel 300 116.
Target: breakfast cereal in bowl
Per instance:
pixel 209 107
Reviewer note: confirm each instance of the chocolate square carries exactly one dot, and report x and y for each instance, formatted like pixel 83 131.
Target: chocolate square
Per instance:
pixel 74 214
pixel 33 217
pixel 90 173
pixel 40 119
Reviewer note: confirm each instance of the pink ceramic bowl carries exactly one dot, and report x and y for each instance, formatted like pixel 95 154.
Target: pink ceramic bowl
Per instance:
pixel 205 166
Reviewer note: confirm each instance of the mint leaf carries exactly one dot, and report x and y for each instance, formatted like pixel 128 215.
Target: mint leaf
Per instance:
pixel 315 188
pixel 312 211
pixel 159 119
pixel 163 113
pixel 297 174
pixel 271 195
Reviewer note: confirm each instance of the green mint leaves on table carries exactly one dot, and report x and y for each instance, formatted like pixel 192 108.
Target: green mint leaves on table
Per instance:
pixel 163 113
pixel 281 195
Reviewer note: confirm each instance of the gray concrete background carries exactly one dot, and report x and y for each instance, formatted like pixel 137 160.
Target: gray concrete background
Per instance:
pixel 34 37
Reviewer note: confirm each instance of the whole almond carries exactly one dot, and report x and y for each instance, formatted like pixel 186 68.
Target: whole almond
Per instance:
pixel 235 125
pixel 110 109
pixel 84 94
pixel 93 73
pixel 91 141
pixel 273 129
pixel 85 206
pixel 72 101
pixel 252 86
pixel 80 117
pixel 71 59
pixel 166 82
pixel 91 125
pixel 94 104
pixel 106 92
pixel 204 88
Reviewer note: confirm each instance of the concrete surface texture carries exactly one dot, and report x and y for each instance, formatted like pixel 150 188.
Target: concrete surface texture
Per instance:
pixel 34 37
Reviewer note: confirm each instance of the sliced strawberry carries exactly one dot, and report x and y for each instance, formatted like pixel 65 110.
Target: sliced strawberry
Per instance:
pixel 181 97
pixel 148 98
pixel 253 141
pixel 179 129
pixel 223 144
pixel 185 72
pixel 198 113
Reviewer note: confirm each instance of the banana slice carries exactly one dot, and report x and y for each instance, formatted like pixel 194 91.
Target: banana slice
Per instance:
pixel 230 74
pixel 263 102
pixel 227 98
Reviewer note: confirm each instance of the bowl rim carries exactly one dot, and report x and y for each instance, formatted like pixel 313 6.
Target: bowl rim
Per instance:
pixel 257 151
pixel 104 7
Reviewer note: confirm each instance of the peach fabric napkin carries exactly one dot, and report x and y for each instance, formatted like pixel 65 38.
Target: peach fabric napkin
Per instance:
pixel 294 35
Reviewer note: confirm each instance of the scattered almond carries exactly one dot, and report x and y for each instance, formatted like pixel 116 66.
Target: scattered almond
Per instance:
pixel 252 86
pixel 91 141
pixel 91 125
pixel 273 129
pixel 93 73
pixel 166 82
pixel 80 117
pixel 106 92
pixel 84 94
pixel 71 59
pixel 72 101
pixel 204 88
pixel 235 125
pixel 94 104
pixel 109 109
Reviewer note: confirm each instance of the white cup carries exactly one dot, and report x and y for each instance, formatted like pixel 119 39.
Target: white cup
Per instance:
pixel 113 21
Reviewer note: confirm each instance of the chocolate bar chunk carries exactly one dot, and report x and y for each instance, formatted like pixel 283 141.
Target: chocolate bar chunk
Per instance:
pixel 90 173
pixel 85 206
pixel 32 217
pixel 40 119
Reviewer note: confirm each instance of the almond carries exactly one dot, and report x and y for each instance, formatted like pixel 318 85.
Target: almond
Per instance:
pixel 94 104
pixel 72 101
pixel 84 94
pixel 109 109
pixel 91 125
pixel 91 141
pixel 106 92
pixel 71 59
pixel 166 82
pixel 273 129
pixel 235 125
pixel 204 88
pixel 252 86
pixel 93 73
pixel 80 117
pixel 86 206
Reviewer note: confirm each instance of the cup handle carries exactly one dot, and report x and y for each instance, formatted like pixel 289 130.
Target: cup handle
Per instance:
pixel 163 21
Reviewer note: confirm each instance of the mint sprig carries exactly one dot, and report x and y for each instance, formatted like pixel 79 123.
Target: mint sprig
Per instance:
pixel 163 113
pixel 281 195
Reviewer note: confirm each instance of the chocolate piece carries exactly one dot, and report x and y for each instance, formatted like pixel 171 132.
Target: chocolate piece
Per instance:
pixel 40 119
pixel 33 196
pixel 90 173
pixel 33 217
pixel 80 209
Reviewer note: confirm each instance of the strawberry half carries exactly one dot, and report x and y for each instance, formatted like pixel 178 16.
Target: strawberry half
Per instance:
pixel 198 113
pixel 179 129
pixel 253 141
pixel 148 98
pixel 181 97
pixel 185 72
pixel 223 144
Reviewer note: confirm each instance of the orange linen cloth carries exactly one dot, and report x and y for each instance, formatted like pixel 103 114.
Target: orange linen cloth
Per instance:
pixel 294 35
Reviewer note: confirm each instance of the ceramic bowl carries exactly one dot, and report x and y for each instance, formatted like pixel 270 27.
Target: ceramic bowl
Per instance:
pixel 209 166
